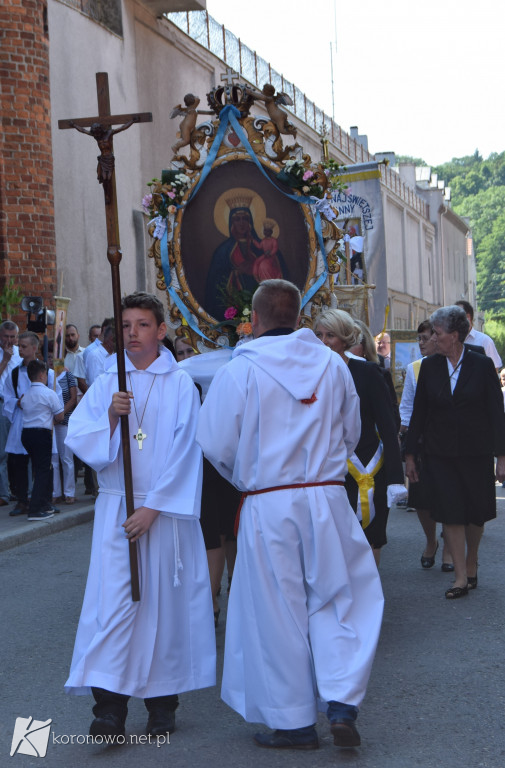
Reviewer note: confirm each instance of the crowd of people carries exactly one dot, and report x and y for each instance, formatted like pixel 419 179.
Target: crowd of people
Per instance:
pixel 16 463
pixel 280 458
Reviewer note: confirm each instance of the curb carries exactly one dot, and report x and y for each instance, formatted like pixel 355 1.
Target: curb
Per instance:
pixel 26 531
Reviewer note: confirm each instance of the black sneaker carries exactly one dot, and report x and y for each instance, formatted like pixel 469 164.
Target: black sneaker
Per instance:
pixel 21 509
pixel 40 515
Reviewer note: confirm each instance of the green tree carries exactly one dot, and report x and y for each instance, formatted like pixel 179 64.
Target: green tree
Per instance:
pixel 409 159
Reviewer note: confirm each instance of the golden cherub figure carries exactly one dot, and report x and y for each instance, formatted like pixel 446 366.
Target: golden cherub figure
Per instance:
pixel 272 101
pixel 190 113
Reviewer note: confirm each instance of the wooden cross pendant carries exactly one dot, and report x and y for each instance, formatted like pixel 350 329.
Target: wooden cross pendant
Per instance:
pixel 140 437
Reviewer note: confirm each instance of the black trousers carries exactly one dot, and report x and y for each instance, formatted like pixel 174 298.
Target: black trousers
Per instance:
pixel 38 443
pixel 18 471
pixel 109 703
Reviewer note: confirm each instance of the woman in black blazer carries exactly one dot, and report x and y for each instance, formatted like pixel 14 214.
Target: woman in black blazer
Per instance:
pixel 378 450
pixel 458 413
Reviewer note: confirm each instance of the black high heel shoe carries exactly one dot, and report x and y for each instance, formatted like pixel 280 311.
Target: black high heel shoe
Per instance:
pixel 429 562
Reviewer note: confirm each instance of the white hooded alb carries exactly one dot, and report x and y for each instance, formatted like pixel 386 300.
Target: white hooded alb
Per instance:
pixel 165 643
pixel 306 602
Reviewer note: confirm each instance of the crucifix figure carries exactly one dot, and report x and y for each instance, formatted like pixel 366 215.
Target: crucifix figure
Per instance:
pixel 140 437
pixel 101 129
pixel 103 137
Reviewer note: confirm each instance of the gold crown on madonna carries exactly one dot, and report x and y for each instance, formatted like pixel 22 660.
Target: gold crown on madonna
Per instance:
pixel 239 201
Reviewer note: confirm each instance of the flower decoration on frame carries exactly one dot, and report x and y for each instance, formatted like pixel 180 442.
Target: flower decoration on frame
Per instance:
pixel 313 181
pixel 166 194
pixel 237 315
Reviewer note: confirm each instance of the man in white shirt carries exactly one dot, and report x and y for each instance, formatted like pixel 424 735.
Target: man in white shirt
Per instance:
pixel 94 333
pixel 9 359
pixel 478 338
pixel 91 370
pixel 74 359
pixel 100 357
pixel 16 384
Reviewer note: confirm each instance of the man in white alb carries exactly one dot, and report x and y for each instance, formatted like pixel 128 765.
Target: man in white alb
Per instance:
pixel 279 422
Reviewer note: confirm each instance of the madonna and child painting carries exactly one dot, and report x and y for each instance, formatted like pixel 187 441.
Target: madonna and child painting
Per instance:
pixel 238 231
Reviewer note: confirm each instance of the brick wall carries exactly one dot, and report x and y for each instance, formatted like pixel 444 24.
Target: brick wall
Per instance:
pixel 27 234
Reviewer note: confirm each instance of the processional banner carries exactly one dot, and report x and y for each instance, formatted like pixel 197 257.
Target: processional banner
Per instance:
pixel 361 217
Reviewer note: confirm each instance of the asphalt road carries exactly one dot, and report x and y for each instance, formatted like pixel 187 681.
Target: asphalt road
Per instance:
pixel 435 699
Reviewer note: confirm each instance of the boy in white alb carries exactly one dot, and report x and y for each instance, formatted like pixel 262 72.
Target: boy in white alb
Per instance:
pixel 41 408
pixel 165 643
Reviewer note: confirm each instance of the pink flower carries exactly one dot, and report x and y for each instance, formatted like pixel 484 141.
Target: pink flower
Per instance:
pixel 171 194
pixel 146 203
pixel 307 175
pixel 230 313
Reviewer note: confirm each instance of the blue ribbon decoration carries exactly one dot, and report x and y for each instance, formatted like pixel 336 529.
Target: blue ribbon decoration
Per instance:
pixel 167 274
pixel 228 116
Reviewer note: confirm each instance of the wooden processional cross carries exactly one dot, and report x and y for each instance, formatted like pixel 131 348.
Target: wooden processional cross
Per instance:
pixel 101 129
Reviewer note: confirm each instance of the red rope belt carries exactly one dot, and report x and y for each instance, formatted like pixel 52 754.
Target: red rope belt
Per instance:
pixel 278 488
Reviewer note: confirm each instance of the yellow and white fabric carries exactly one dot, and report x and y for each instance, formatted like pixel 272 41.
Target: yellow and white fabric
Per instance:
pixel 364 477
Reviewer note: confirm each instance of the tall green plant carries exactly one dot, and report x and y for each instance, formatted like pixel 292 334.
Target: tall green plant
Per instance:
pixel 10 296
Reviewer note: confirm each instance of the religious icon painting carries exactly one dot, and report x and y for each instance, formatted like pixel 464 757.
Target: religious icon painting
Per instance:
pixel 238 231
pixel 238 207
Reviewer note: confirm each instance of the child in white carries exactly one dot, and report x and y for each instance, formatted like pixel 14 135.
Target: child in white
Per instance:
pixel 41 408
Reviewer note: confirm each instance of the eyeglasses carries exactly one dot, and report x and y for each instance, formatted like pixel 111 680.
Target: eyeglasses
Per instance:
pixel 422 339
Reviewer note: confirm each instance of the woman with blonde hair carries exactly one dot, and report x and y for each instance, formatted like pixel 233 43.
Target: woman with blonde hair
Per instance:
pixel 375 467
pixel 365 344
pixel 365 347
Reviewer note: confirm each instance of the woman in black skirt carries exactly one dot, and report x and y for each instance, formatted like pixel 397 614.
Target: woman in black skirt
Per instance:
pixel 418 496
pixel 458 414
pixel 377 455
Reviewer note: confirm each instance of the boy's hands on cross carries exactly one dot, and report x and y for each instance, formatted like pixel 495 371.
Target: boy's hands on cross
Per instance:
pixel 120 406
pixel 140 522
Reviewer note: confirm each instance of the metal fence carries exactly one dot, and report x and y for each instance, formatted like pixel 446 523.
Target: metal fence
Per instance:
pixel 225 45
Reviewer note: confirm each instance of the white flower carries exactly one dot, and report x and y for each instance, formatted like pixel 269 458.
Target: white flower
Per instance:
pixel 160 227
